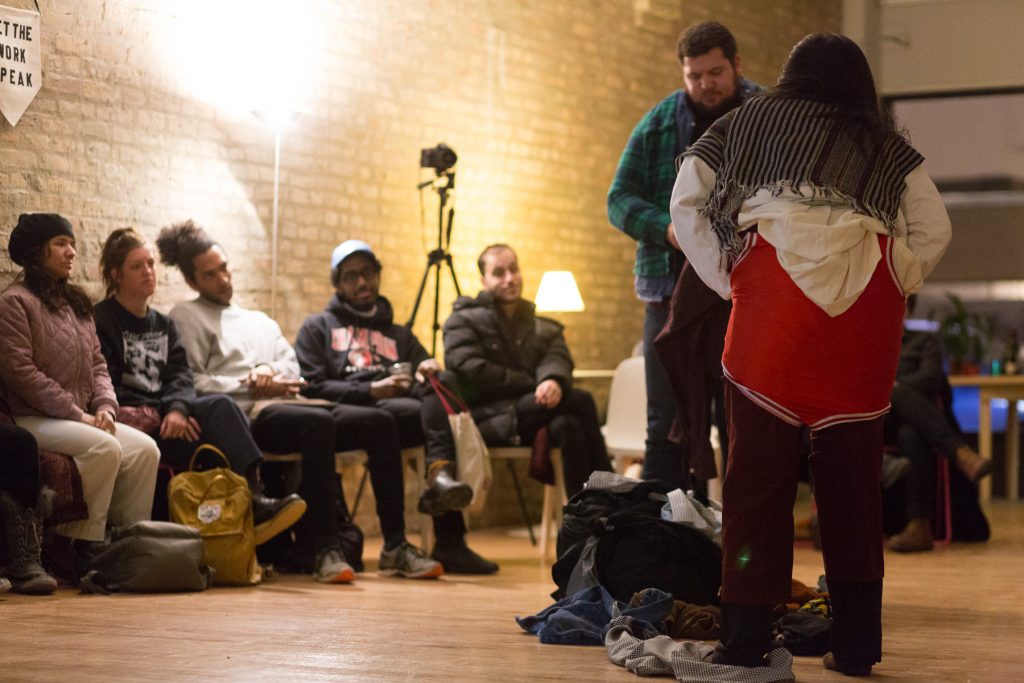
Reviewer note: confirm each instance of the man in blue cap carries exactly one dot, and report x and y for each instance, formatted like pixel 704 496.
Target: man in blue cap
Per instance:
pixel 241 352
pixel 353 353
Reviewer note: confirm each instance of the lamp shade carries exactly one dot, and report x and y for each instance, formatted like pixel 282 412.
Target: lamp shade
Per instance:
pixel 558 293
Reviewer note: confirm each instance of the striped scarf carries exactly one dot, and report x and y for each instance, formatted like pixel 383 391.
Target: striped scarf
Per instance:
pixel 777 143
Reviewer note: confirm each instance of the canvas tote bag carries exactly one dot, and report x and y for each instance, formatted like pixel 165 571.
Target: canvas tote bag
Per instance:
pixel 472 461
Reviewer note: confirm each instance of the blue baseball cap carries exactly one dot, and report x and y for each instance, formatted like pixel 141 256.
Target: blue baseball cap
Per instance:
pixel 349 247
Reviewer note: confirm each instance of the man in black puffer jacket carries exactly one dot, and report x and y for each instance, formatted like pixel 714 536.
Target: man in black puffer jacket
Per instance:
pixel 355 354
pixel 516 370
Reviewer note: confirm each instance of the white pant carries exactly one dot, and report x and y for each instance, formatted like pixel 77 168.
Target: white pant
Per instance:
pixel 118 471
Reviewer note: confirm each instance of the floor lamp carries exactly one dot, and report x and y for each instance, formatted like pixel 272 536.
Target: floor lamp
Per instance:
pixel 276 119
pixel 558 293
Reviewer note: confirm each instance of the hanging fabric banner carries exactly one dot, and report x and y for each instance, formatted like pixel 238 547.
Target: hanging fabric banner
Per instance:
pixel 21 73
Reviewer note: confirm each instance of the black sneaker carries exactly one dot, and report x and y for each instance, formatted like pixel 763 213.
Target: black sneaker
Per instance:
pixel 460 559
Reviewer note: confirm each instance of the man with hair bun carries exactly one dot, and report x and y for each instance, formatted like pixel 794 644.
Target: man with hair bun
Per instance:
pixel 153 382
pixel 242 353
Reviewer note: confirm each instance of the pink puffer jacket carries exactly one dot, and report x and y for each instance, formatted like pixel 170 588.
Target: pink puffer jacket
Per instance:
pixel 50 362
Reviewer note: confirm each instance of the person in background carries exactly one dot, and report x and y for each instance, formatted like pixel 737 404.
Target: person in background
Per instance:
pixel 241 352
pixel 920 428
pixel 638 205
pixel 150 374
pixel 817 233
pixel 54 380
pixel 348 354
pixel 516 370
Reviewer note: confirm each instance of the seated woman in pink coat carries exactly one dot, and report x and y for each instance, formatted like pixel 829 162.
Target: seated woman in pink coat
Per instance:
pixel 55 382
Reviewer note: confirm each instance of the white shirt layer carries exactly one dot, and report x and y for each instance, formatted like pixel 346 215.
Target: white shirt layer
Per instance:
pixel 827 248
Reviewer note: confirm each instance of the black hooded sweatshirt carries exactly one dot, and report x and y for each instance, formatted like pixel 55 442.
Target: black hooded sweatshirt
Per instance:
pixel 341 352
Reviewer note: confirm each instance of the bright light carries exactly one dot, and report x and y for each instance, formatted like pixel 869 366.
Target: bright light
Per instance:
pixel 242 55
pixel 558 293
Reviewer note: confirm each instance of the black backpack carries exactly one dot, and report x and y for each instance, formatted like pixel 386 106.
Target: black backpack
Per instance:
pixel 618 540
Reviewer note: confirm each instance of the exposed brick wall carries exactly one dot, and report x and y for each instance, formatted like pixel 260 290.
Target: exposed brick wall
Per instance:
pixel 537 97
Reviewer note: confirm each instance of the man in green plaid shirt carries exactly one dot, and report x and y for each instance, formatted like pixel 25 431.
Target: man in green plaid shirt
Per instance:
pixel 638 206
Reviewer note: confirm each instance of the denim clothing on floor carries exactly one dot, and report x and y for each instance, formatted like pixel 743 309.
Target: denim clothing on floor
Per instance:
pixel 580 619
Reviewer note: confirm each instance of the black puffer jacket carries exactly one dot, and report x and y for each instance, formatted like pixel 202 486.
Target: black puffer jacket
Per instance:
pixel 341 353
pixel 497 360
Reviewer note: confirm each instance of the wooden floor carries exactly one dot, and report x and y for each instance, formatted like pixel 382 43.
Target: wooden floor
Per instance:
pixel 956 614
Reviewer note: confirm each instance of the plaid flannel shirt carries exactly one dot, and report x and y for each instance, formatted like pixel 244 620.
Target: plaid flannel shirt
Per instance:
pixel 640 192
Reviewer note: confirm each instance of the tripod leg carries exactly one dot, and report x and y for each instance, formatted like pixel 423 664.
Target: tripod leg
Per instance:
pixel 451 269
pixel 437 304
pixel 419 294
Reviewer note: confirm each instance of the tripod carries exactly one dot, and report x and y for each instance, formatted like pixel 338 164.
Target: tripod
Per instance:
pixel 439 255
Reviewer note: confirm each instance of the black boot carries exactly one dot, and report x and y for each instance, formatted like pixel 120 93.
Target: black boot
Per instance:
pixel 24 529
pixel 443 493
pixel 746 635
pixel 451 549
pixel 271 516
pixel 856 626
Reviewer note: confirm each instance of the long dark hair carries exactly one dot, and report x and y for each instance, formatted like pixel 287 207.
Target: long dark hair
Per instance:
pixel 831 68
pixel 115 250
pixel 180 244
pixel 52 292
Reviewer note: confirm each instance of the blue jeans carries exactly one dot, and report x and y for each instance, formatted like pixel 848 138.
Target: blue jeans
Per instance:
pixel 662 459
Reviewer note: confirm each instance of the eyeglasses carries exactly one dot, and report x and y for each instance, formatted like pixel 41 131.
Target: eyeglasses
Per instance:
pixel 352 276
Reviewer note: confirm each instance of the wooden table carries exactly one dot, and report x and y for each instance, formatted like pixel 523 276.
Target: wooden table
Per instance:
pixel 1010 387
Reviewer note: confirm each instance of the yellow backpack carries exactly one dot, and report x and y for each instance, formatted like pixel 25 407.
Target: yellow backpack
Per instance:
pixel 217 502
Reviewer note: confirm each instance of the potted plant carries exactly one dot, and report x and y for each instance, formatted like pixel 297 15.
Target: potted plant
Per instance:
pixel 965 336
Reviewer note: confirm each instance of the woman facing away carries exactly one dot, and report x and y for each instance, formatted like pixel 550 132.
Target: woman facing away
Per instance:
pixel 54 379
pixel 808 210
pixel 153 382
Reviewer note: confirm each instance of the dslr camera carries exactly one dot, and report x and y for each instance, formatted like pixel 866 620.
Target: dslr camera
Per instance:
pixel 439 158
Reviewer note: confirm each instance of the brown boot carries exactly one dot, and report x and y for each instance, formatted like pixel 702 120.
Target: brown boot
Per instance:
pixel 916 537
pixel 971 464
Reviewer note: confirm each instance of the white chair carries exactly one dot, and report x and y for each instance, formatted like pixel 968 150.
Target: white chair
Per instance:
pixel 625 427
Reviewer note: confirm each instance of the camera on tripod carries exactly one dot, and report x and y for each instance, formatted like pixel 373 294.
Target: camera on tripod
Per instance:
pixel 439 158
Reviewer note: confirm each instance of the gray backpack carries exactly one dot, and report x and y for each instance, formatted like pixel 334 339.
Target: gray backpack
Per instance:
pixel 148 557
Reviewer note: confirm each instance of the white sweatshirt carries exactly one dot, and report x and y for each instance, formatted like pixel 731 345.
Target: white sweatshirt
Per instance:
pixel 829 250
pixel 224 343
